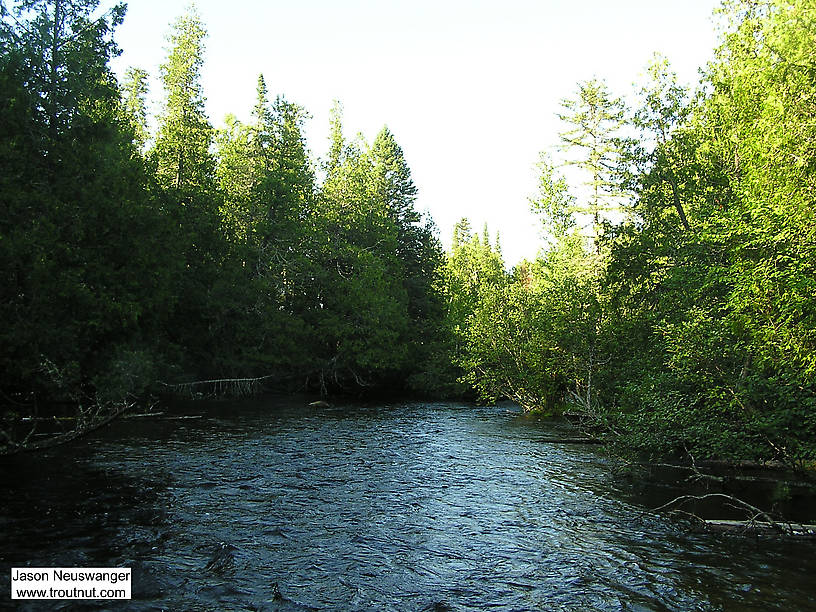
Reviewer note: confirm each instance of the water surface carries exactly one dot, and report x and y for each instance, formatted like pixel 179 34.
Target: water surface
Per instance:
pixel 271 505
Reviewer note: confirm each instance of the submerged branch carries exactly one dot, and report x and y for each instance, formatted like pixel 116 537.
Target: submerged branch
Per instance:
pixel 85 425
pixel 766 524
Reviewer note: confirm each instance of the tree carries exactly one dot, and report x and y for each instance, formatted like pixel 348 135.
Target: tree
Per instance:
pixel 554 203
pixel 473 271
pixel 392 180
pixel 66 54
pixel 85 276
pixel 418 255
pixel 712 290
pixel 336 140
pixel 134 92
pixel 181 152
pixel 186 188
pixel 666 155
pixel 594 118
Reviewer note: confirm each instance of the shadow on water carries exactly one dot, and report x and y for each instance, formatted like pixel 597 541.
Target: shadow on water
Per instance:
pixel 271 505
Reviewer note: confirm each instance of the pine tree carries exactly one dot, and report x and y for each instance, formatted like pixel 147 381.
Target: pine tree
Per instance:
pixel 184 169
pixel 392 178
pixel 181 153
pixel 134 92
pixel 262 137
pixel 337 143
pixel 462 234
pixel 594 118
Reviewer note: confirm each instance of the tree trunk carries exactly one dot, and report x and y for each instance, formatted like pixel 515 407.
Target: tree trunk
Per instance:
pixel 677 204
pixel 52 115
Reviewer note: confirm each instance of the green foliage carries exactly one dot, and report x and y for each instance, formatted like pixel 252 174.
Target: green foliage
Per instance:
pixel 181 153
pixel 720 291
pixel 593 120
pixel 377 306
pixel 210 255
pixel 77 235
pixel 473 272
pixel 553 203
pixel 134 92
pixel 681 320
pixel 689 327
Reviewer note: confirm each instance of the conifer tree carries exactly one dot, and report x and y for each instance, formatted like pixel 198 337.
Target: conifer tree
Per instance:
pixel 181 153
pixel 593 120
pixel 392 178
pixel 336 140
pixel 66 52
pixel 86 275
pixel 134 92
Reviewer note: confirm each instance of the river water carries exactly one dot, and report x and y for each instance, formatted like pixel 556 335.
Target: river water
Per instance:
pixel 271 505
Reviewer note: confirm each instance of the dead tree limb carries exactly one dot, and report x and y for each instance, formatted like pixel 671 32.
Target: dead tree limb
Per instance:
pixel 92 423
pixel 782 527
pixel 220 386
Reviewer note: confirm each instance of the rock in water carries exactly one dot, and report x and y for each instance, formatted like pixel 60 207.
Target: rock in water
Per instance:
pixel 276 594
pixel 222 559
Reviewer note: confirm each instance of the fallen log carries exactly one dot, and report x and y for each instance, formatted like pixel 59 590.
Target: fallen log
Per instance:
pixel 570 440
pixel 162 416
pixel 744 463
pixel 238 387
pixel 759 521
pixel 760 527
pixel 697 473
pixel 94 422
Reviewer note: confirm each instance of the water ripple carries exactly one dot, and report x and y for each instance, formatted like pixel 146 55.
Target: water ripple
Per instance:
pixel 272 506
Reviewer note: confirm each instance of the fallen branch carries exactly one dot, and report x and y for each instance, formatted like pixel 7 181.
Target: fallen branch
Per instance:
pixel 696 474
pixel 162 416
pixel 779 527
pixel 95 423
pixel 796 529
pixel 220 386
pixel 760 465
pixel 570 440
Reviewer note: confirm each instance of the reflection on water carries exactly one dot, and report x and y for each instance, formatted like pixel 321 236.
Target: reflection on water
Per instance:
pixel 269 505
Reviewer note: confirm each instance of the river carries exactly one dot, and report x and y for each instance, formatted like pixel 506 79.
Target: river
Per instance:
pixel 271 505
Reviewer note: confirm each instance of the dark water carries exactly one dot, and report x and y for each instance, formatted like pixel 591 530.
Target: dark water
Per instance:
pixel 401 507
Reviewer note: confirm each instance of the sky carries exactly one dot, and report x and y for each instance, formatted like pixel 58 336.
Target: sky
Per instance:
pixel 469 88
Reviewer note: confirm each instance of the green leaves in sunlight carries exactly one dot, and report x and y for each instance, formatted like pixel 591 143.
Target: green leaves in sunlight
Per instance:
pixel 686 323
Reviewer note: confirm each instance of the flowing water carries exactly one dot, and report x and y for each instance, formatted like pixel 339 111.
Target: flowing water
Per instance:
pixel 270 505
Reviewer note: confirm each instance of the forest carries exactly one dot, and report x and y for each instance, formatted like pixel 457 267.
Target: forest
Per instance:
pixel 672 308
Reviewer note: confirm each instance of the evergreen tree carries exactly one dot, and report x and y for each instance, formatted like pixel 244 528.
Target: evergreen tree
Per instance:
pixel 594 118
pixel 393 182
pixel 210 287
pixel 134 92
pixel 86 279
pixel 66 53
pixel 337 143
pixel 181 153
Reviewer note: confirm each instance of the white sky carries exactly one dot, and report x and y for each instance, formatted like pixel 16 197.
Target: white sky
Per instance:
pixel 469 88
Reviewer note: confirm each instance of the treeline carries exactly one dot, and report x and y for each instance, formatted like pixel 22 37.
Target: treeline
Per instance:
pixel 134 259
pixel 673 308
pixel 675 305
